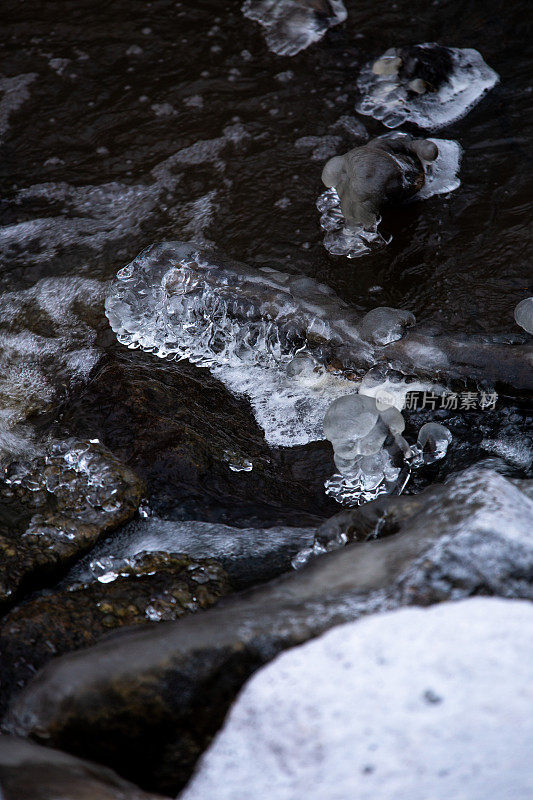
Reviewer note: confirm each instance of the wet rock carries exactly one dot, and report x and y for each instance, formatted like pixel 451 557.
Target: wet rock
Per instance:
pixel 249 555
pixel 404 704
pixel 387 169
pixel 391 169
pixel 31 772
pixel 147 702
pixel 57 505
pixel 182 432
pixel 145 588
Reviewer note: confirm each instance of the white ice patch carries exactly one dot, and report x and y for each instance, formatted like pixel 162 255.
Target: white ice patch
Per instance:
pixel 342 240
pixel 419 703
pixel 386 97
pixel 293 25
pixel 14 92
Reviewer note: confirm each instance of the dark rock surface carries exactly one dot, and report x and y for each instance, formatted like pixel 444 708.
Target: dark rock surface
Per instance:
pixel 55 508
pixel 249 555
pixel 174 425
pixel 147 702
pixel 31 772
pixel 149 587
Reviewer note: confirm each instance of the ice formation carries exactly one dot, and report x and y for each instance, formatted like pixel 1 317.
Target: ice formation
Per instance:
pixel 392 167
pixel 83 480
pixel 293 25
pixel 433 440
pixel 523 314
pixel 427 85
pixel 287 343
pixel 370 453
pixel 248 324
pixel 369 450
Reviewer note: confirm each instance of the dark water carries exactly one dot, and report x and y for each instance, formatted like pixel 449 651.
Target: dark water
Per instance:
pixel 163 120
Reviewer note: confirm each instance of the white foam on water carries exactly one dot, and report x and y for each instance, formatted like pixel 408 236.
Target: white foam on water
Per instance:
pixel 93 216
pixel 441 177
pixel 13 93
pixel 290 25
pixel 386 97
pixel 36 366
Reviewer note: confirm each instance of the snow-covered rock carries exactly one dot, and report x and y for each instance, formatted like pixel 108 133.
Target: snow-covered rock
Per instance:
pixel 418 703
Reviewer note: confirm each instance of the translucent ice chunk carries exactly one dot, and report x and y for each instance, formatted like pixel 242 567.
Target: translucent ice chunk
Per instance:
pixel 385 325
pixel 523 314
pixel 389 97
pixel 350 417
pixel 359 431
pixel 433 440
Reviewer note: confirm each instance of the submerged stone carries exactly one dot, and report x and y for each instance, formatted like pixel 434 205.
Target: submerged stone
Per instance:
pixel 147 702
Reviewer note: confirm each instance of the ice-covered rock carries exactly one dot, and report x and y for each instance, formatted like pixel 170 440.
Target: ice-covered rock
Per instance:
pixel 416 703
pixel 470 536
pixel 249 555
pixel 523 314
pixel 426 84
pixel 293 25
pixel 68 494
pixel 394 167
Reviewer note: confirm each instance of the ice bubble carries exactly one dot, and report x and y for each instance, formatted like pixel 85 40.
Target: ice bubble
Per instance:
pixel 523 314
pixel 384 325
pixel 350 417
pixel 305 370
pixel 433 441
pixel 292 25
pixel 426 84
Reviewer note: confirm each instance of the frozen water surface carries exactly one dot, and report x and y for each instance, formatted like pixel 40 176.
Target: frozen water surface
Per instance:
pixel 293 25
pixel 388 98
